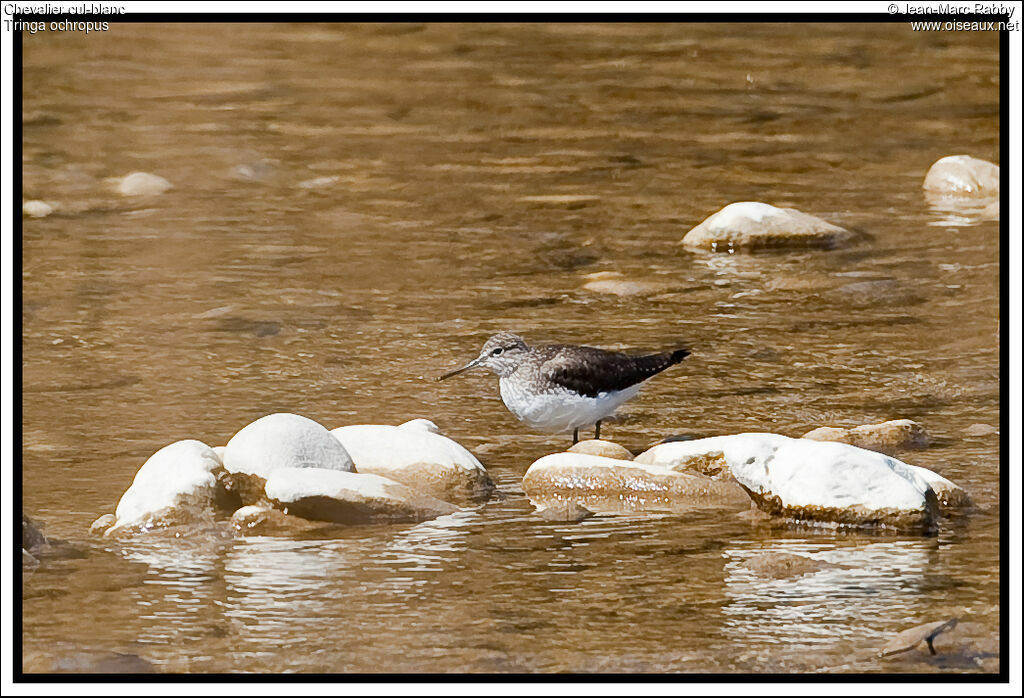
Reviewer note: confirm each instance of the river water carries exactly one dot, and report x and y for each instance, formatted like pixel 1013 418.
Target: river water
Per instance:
pixel 355 208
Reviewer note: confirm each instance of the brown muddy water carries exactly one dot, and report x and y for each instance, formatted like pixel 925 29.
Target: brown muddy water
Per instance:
pixel 356 207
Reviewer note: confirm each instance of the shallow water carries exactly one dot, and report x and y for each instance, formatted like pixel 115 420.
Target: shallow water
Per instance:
pixel 356 207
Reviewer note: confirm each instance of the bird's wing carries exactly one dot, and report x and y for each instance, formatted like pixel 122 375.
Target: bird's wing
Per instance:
pixel 590 371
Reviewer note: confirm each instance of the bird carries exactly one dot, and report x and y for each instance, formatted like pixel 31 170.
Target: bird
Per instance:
pixel 558 387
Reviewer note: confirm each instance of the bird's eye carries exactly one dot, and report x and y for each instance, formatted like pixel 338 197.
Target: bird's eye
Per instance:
pixel 497 351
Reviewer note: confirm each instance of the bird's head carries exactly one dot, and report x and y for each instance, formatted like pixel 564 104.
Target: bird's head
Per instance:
pixel 500 355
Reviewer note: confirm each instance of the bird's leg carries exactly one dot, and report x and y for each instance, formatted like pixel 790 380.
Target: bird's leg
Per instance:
pixel 597 430
pixel 575 436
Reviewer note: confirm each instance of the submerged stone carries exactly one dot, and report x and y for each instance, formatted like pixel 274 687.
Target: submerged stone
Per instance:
pixel 885 437
pixel 775 565
pixel 37 209
pixel 752 225
pixel 919 635
pixel 141 184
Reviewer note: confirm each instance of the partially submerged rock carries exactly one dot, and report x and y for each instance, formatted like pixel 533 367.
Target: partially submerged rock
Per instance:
pixel 32 537
pixel 175 486
pixel 350 498
pixel 752 225
pixel 600 447
pixel 141 184
pixel 917 636
pixel 963 176
pixel 812 481
pixel 281 440
pixel 607 485
pixel 37 209
pixel 952 498
pixel 885 437
pixel 264 520
pixel 615 284
pixel 415 455
pixel 564 511
pixel 774 565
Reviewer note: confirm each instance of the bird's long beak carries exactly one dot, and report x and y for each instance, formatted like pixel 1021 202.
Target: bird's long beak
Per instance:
pixel 472 364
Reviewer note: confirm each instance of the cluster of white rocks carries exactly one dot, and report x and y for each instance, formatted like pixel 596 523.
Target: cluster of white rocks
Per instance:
pixel 803 480
pixel 285 465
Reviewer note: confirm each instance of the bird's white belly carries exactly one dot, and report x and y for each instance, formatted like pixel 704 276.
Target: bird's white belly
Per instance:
pixel 561 409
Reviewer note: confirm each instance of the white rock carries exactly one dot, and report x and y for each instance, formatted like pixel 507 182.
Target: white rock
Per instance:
pixel 281 440
pixel 608 485
pixel 219 451
pixel 748 225
pixel 176 485
pixel 814 480
pixel 344 497
pixel 417 457
pixel 963 175
pixel 420 425
pixel 37 209
pixel 141 184
pixel 953 499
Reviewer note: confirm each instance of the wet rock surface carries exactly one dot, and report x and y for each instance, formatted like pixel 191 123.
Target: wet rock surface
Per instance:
pixel 963 175
pixel 776 565
pixel 886 437
pixel 350 498
pixel 175 486
pixel 606 485
pixel 753 225
pixel 600 447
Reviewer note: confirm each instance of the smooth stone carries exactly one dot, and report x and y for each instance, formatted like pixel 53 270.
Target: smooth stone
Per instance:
pixel 567 512
pixel 280 440
pixel 752 225
pixel 264 520
pixel 920 634
pixel 613 283
pixel 963 175
pixel 86 661
pixel 885 437
pixel 350 498
pixel 102 524
pixel 600 447
pixel 420 425
pixel 176 486
pixel 812 481
pixel 32 536
pixel 141 184
pixel 418 458
pixel 37 209
pixel 782 565
pixel 952 498
pixel 219 452
pixel 606 485
pixel 981 430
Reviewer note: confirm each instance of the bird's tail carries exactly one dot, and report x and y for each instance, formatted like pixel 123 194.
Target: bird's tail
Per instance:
pixel 656 363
